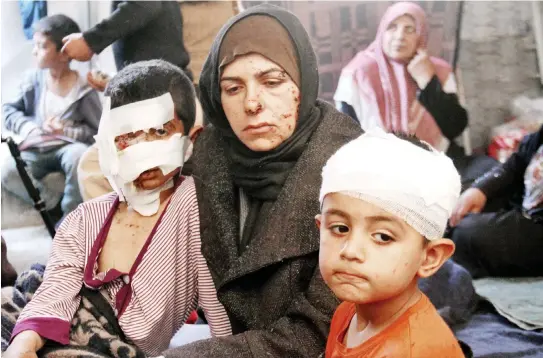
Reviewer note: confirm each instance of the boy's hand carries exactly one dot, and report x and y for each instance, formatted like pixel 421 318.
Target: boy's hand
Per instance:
pixel 53 125
pixel 24 345
pixel 76 47
pixel 421 68
pixel 35 132
pixel 472 200
pixel 97 81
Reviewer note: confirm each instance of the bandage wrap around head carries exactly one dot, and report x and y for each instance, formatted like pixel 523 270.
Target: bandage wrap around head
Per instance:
pixel 122 167
pixel 416 185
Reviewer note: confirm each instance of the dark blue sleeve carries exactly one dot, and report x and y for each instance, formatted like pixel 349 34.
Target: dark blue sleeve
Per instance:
pixel 447 111
pixel 510 173
pixel 348 110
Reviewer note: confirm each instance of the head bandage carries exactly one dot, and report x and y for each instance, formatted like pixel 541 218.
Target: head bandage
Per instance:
pixel 418 186
pixel 122 167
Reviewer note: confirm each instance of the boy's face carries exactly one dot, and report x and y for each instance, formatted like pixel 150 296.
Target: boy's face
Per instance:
pixel 46 52
pixel 366 254
pixel 152 178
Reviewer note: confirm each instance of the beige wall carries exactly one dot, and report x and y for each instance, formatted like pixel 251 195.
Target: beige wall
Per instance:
pixel 498 61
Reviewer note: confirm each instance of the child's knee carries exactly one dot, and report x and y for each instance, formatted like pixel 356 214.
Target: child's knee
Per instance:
pixel 8 172
pixel 72 155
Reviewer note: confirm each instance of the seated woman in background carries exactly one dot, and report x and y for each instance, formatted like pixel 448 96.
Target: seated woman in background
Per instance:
pixel 498 222
pixel 396 85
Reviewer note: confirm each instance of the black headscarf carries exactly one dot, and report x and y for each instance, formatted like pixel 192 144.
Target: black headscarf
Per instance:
pixel 262 174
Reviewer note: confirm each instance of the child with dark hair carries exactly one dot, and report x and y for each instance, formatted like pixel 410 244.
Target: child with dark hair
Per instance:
pixel 55 27
pixel 92 182
pixel 381 229
pixel 56 113
pixel 140 245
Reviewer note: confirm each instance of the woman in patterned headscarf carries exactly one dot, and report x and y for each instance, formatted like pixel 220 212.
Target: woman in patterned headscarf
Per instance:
pixel 396 85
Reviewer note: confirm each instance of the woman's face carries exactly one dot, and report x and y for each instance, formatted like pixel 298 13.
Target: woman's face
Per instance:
pixel 260 101
pixel 400 39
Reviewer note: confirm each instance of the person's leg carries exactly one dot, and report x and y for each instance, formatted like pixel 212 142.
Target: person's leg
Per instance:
pixel 38 165
pixel 499 244
pixel 68 158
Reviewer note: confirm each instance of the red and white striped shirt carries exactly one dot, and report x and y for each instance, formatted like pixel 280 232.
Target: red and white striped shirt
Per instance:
pixel 168 280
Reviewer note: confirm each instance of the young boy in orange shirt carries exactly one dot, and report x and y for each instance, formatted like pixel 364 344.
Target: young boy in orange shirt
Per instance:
pixel 385 203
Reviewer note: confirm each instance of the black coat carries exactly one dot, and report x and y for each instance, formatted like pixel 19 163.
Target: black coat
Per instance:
pixel 508 179
pixel 277 302
pixel 140 31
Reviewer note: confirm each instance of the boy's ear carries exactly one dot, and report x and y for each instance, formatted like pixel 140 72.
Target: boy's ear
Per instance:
pixel 195 132
pixel 318 218
pixel 436 253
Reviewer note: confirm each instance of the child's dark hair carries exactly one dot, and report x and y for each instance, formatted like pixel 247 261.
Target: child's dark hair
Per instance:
pixel 411 138
pixel 56 27
pixel 149 79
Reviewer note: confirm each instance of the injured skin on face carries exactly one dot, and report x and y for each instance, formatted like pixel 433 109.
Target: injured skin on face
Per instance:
pixel 260 102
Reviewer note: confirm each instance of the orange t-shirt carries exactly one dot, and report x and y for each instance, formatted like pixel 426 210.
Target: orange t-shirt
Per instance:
pixel 418 333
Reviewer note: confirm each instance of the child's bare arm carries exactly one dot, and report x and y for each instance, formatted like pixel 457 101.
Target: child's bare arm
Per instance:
pixel 53 306
pixel 25 345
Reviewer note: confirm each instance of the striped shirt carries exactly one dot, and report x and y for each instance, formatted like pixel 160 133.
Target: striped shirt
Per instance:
pixel 168 280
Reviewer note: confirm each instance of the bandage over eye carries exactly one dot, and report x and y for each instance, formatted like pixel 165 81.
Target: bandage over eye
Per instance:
pixel 418 186
pixel 122 167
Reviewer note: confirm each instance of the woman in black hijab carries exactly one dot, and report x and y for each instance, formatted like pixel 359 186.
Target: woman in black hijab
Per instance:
pixel 258 174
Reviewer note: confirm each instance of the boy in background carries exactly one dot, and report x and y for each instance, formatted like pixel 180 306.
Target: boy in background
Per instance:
pixel 385 204
pixel 55 112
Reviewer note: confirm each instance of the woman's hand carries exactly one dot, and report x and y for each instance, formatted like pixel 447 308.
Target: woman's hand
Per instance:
pixel 421 68
pixel 472 200
pixel 76 47
pixel 24 345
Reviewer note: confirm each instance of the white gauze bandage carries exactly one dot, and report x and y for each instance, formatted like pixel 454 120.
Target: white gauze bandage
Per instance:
pixel 418 186
pixel 122 167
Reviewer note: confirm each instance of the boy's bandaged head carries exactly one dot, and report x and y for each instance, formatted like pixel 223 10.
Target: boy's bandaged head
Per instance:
pixel 122 167
pixel 421 187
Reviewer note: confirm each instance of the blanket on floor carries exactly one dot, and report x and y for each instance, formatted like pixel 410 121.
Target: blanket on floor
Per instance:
pixel 492 336
pixel 518 299
pixel 95 331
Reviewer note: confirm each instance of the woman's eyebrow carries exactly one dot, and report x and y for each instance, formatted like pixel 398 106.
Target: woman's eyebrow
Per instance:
pixel 258 74
pixel 231 78
pixel 269 71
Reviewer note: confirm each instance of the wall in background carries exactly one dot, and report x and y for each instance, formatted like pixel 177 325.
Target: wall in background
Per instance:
pixel 497 60
pixel 15 48
pixel 497 52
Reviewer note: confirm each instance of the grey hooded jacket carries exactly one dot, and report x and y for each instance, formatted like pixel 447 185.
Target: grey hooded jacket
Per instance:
pixel 81 118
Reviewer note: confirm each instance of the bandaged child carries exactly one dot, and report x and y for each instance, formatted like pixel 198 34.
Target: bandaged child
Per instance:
pixel 140 245
pixel 385 202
